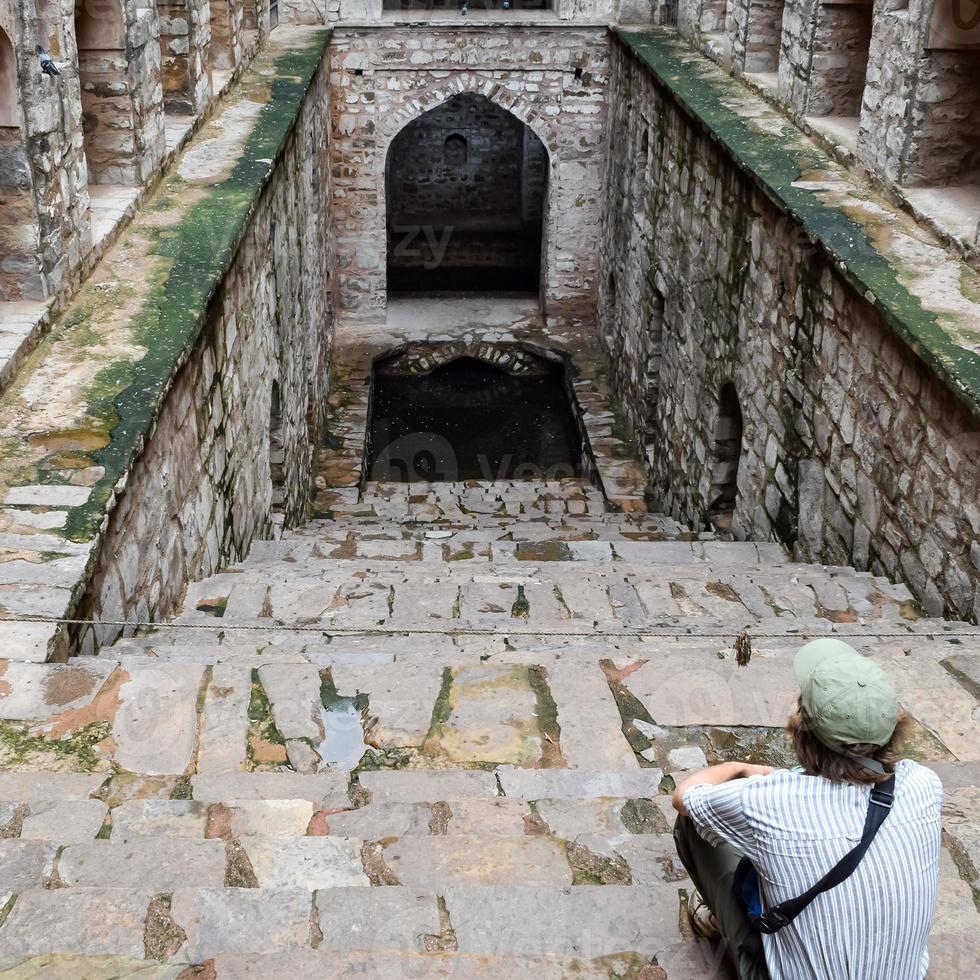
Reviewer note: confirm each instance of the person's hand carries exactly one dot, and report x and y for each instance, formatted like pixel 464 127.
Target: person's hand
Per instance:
pixel 748 769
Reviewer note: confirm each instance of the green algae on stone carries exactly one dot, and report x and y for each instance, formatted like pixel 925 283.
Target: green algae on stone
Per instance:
pixel 182 789
pixel 262 729
pixel 75 753
pixel 125 395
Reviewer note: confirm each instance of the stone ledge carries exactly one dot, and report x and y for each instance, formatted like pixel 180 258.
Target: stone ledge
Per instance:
pixel 879 249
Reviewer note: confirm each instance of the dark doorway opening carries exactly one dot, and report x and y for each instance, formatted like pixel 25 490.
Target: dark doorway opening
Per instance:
pixel 469 420
pixel 727 454
pixel 277 449
pixel 465 186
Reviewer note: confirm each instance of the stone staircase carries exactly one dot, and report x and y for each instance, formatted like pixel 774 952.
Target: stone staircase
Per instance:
pixel 433 736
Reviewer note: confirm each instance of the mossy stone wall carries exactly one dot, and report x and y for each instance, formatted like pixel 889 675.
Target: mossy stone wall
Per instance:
pixel 854 451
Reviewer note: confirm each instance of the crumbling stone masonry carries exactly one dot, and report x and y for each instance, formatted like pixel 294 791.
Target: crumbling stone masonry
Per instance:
pixel 854 451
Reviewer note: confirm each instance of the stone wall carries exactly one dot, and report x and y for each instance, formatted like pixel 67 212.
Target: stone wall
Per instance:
pixel 20 273
pixel 839 59
pixel 312 12
pixel 202 489
pixel 757 27
pixel 550 79
pixel 853 451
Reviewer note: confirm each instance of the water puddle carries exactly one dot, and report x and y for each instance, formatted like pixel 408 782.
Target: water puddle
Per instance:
pixel 342 721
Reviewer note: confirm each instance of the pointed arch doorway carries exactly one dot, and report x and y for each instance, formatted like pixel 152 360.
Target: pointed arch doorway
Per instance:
pixel 466 189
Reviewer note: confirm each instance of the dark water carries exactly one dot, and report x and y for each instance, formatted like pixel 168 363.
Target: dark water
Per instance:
pixel 470 421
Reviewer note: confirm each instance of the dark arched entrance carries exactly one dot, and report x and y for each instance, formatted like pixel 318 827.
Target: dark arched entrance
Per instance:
pixel 470 420
pixel 465 186
pixel 726 457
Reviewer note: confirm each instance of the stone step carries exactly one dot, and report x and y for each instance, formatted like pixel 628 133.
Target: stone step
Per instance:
pixel 460 547
pixel 164 863
pixel 196 924
pixel 216 711
pixel 491 930
pixel 133 819
pixel 166 711
pixel 545 594
pixel 630 830
pixel 206 639
pixel 682 962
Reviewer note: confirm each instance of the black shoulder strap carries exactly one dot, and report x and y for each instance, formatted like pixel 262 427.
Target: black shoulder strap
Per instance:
pixel 882 798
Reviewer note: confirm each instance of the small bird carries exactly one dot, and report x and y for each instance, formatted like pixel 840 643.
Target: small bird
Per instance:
pixel 464 10
pixel 47 62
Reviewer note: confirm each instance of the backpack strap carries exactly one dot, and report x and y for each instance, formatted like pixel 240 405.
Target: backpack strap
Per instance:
pixel 879 806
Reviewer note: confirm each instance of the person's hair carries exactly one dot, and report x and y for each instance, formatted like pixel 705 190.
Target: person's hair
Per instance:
pixel 841 767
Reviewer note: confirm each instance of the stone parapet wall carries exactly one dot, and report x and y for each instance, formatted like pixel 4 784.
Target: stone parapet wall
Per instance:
pixel 854 450
pixel 551 79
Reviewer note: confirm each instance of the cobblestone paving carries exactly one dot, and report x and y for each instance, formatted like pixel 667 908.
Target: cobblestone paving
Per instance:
pixel 433 736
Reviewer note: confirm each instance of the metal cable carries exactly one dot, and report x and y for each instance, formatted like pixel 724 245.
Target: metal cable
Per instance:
pixel 665 629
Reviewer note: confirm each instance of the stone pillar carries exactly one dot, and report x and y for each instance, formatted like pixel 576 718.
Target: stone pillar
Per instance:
pixel 825 56
pixel 43 176
pixel 757 27
pixel 119 75
pixel 185 36
pixel 922 100
pixel 20 272
pixel 689 18
pixel 227 18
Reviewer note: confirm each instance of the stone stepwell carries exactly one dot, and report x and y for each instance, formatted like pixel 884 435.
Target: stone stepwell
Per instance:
pixel 434 736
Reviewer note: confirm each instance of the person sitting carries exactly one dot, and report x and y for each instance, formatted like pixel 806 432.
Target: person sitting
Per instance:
pixel 794 826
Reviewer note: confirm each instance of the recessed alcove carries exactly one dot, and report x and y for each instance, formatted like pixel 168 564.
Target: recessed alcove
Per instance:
pixel 465 186
pixel 470 419
pixel 726 458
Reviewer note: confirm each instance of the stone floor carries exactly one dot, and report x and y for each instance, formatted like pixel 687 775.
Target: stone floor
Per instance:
pixel 433 735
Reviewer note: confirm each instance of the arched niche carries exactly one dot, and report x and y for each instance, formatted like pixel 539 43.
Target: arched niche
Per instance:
pixel 99 25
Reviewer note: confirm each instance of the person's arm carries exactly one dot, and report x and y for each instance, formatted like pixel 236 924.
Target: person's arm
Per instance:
pixel 715 776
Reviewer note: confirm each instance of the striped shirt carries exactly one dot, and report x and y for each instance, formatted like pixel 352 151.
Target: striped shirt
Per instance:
pixel 795 828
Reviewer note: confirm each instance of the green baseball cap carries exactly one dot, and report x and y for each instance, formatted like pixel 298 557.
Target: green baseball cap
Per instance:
pixel 848 699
